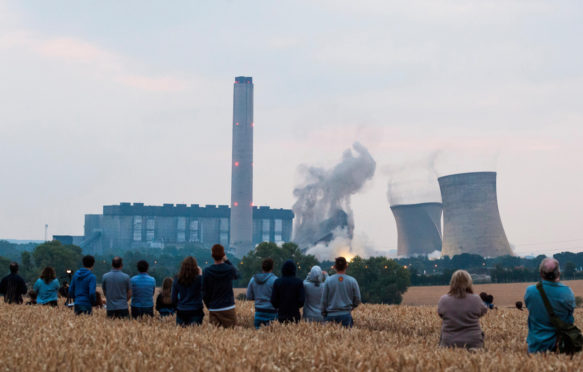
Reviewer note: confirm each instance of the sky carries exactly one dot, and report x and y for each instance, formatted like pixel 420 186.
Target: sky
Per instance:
pixel 108 102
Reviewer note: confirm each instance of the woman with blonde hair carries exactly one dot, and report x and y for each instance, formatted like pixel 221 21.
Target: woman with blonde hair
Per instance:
pixel 461 310
pixel 164 303
pixel 187 293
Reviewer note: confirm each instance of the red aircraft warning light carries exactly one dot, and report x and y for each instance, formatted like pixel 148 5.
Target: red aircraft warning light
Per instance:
pixel 236 163
pixel 236 204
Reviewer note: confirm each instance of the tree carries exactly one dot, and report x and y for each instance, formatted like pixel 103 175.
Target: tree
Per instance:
pixel 4 266
pixel 251 263
pixel 381 280
pixel 569 272
pixel 60 257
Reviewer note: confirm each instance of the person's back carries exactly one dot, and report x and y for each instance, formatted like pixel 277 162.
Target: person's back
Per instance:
pixel 340 296
pixel 217 282
pixel 460 311
pixel 13 286
pixel 288 294
pixel 83 286
pixel 143 287
pixel 47 293
pixel 117 289
pixel 187 293
pixel 313 287
pixel 259 290
pixel 541 333
pixel 461 320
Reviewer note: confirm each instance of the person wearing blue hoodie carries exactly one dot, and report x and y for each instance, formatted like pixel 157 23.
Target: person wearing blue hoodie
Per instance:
pixel 288 294
pixel 82 289
pixel 259 290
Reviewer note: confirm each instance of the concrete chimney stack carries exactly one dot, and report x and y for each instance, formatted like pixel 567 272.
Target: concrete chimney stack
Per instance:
pixel 242 167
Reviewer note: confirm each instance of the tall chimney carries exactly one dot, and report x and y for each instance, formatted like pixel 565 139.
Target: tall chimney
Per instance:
pixel 242 167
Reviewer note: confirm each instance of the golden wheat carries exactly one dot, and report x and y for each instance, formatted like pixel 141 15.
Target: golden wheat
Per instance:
pixel 399 338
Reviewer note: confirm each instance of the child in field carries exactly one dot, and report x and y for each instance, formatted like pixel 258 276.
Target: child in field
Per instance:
pixel 164 304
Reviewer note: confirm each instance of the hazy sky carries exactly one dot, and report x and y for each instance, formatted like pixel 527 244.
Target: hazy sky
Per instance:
pixel 106 102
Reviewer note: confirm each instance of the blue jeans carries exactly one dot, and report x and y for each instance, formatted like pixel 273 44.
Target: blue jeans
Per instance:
pixel 83 309
pixel 345 320
pixel 185 318
pixel 263 319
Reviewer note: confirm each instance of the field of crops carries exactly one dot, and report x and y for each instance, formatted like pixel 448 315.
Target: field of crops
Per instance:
pixel 385 338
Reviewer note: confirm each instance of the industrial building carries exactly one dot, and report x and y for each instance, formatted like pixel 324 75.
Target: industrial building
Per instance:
pixel 418 228
pixel 130 226
pixel 471 219
pixel 242 167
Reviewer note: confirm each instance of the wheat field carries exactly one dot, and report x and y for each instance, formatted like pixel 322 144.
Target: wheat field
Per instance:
pixel 385 338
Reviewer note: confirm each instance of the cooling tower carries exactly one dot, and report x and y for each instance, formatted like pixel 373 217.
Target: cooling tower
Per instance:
pixel 242 167
pixel 471 220
pixel 418 228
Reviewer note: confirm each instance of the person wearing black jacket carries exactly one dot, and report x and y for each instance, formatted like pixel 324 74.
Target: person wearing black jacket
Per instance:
pixel 13 286
pixel 217 288
pixel 288 294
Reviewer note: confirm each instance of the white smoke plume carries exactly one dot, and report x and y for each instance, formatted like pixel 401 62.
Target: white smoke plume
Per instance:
pixel 414 182
pixel 324 199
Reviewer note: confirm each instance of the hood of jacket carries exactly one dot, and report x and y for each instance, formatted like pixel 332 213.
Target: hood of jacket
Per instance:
pixel 83 273
pixel 288 268
pixel 220 271
pixel 261 278
pixel 315 275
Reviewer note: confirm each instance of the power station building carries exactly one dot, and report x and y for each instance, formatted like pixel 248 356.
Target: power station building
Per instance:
pixel 241 234
pixel 418 228
pixel 471 219
pixel 130 226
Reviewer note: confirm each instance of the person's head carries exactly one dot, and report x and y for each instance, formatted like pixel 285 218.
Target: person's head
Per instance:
pixel 142 266
pixel 88 262
pixel 48 274
pixel 490 299
pixel 315 275
pixel 550 270
pixel 340 265
pixel 32 294
pixel 13 267
pixel 460 284
pixel 218 252
pixel 117 262
pixel 484 296
pixel 188 271
pixel 519 305
pixel 267 265
pixel 167 290
pixel 288 268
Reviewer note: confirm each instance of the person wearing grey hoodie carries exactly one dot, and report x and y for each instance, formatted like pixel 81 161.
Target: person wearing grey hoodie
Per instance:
pixel 341 295
pixel 259 290
pixel 313 287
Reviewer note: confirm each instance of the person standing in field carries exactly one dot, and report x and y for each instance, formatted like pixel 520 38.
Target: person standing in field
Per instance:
pixel 164 305
pixel 143 288
pixel 47 287
pixel 313 287
pixel 542 334
pixel 288 294
pixel 460 311
pixel 117 290
pixel 82 289
pixel 340 296
pixel 187 293
pixel 217 289
pixel 259 290
pixel 12 286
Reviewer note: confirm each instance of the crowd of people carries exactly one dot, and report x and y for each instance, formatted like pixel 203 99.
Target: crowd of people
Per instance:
pixel 323 298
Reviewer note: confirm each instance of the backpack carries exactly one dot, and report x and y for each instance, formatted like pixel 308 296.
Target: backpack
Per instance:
pixel 569 337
